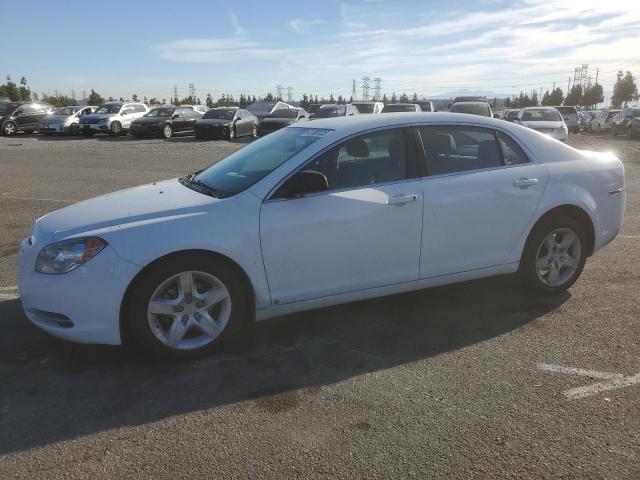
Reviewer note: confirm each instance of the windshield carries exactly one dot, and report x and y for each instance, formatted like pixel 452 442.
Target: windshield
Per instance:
pixel 541 115
pixel 220 114
pixel 325 112
pixel 66 111
pixel 284 113
pixel 472 108
pixel 364 107
pixel 161 112
pixel 398 108
pixel 109 108
pixel 248 165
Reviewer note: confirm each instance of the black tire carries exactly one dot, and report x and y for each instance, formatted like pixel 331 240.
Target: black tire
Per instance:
pixel 144 287
pixel 167 131
pixel 9 128
pixel 74 129
pixel 232 133
pixel 528 270
pixel 116 129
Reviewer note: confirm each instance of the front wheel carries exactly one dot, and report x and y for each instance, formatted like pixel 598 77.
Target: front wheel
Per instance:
pixel 187 306
pixel 232 133
pixel 116 129
pixel 167 131
pixel 554 255
pixel 74 129
pixel 9 128
pixel 254 131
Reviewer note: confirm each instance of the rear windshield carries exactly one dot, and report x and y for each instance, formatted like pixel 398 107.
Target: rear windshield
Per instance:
pixel 325 112
pixel 364 107
pixel 472 108
pixel 541 115
pixel 284 113
pixel 398 108
pixel 220 114
pixel 109 108
pixel 567 110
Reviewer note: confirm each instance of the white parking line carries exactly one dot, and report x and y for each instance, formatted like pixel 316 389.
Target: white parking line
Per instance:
pixel 8 293
pixel 612 381
pixel 33 199
pixel 629 236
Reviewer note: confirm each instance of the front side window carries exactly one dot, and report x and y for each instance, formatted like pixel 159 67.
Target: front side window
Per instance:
pixel 109 108
pixel 453 149
pixel 246 166
pixel 219 114
pixel 366 160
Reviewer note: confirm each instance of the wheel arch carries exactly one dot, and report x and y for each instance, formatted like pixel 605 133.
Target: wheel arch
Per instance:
pixel 572 211
pixel 126 335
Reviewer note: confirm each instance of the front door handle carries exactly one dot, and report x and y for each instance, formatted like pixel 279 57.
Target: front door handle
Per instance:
pixel 525 182
pixel 401 199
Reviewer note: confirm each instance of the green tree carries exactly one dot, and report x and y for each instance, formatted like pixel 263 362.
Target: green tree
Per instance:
pixel 385 100
pixel 331 99
pixel 574 96
pixel 624 89
pixel 154 101
pixel 414 99
pixel 209 101
pixel 394 98
pixel 95 98
pixel 269 97
pixel 404 98
pixel 592 96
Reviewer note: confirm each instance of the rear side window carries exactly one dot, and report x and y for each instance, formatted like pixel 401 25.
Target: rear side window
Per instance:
pixel 512 154
pixel 453 149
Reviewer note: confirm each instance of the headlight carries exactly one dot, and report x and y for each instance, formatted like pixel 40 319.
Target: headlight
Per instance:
pixel 103 120
pixel 65 256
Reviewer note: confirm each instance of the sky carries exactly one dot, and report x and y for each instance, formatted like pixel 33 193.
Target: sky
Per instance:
pixel 432 48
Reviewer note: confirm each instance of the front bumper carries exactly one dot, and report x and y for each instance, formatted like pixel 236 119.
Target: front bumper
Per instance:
pixel 52 128
pixel 82 305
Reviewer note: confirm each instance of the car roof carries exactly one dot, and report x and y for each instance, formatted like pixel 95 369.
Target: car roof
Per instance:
pixel 479 102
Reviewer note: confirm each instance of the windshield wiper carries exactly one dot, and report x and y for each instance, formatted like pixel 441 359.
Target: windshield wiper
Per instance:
pixel 204 188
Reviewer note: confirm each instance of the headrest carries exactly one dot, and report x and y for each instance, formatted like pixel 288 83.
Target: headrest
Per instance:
pixel 488 153
pixel 357 148
pixel 443 143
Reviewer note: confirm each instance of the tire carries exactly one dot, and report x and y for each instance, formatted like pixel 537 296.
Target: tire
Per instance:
pixel 254 131
pixel 167 131
pixel 74 129
pixel 152 330
pixel 9 128
pixel 116 129
pixel 232 133
pixel 539 261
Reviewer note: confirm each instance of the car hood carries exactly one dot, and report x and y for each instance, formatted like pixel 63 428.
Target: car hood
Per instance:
pixel 542 124
pixel 212 121
pixel 146 203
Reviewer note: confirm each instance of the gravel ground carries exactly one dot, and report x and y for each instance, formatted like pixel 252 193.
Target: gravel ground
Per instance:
pixel 440 383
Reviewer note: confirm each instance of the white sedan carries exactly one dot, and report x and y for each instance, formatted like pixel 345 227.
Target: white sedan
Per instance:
pixel 545 120
pixel 318 214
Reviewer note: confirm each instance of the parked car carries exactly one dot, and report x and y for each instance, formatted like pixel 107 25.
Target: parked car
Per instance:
pixel 427 106
pixel 474 108
pixel 22 116
pixel 165 122
pixel 262 109
pixel 281 118
pixel 634 127
pixel 333 110
pixel 401 107
pixel 64 120
pixel 570 117
pixel 603 121
pixel 369 107
pixel 226 122
pixel 113 118
pixel 585 120
pixel 317 214
pixel 512 115
pixel 622 119
pixel 201 109
pixel 545 120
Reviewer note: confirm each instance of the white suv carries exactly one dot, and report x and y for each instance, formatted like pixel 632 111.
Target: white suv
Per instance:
pixel 112 117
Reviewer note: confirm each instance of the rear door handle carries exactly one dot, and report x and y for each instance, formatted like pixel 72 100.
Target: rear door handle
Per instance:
pixel 401 199
pixel 525 182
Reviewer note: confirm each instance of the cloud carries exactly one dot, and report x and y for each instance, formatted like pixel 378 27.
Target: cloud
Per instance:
pixel 301 26
pixel 215 50
pixel 237 28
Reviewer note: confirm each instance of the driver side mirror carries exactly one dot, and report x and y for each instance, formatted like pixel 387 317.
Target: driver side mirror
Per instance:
pixel 303 182
pixel 495 115
pixel 175 115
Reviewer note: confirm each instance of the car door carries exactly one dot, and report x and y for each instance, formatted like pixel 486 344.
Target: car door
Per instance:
pixel 363 232
pixel 24 116
pixel 480 195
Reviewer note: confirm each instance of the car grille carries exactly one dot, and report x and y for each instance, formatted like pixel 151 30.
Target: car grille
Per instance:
pixel 544 130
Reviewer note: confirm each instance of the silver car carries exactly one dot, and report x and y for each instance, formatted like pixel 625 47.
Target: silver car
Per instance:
pixel 65 119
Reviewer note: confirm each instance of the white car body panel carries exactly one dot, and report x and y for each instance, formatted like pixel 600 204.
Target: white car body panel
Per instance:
pixel 332 259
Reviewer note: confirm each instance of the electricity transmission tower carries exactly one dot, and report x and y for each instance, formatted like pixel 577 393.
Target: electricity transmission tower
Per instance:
pixel 365 88
pixel 289 94
pixel 353 90
pixel 376 88
pixel 279 92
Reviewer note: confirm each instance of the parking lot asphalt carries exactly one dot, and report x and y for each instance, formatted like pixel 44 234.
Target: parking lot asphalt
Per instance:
pixel 475 380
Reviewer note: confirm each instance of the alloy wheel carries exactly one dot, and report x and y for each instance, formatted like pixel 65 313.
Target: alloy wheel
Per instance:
pixel 167 131
pixel 10 128
pixel 189 310
pixel 558 257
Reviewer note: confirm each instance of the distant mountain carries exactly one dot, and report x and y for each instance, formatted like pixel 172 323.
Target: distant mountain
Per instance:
pixel 467 93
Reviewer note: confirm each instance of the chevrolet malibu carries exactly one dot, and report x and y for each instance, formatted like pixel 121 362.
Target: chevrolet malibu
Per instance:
pixel 317 214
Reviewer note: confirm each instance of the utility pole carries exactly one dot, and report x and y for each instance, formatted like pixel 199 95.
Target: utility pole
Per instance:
pixel 192 93
pixel 365 88
pixel 73 94
pixel 175 95
pixel 353 90
pixel 289 94
pixel 569 86
pixel 84 94
pixel 376 88
pixel 597 71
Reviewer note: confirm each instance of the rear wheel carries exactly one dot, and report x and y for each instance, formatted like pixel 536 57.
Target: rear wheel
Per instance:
pixel 9 128
pixel 187 306
pixel 116 129
pixel 167 131
pixel 554 255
